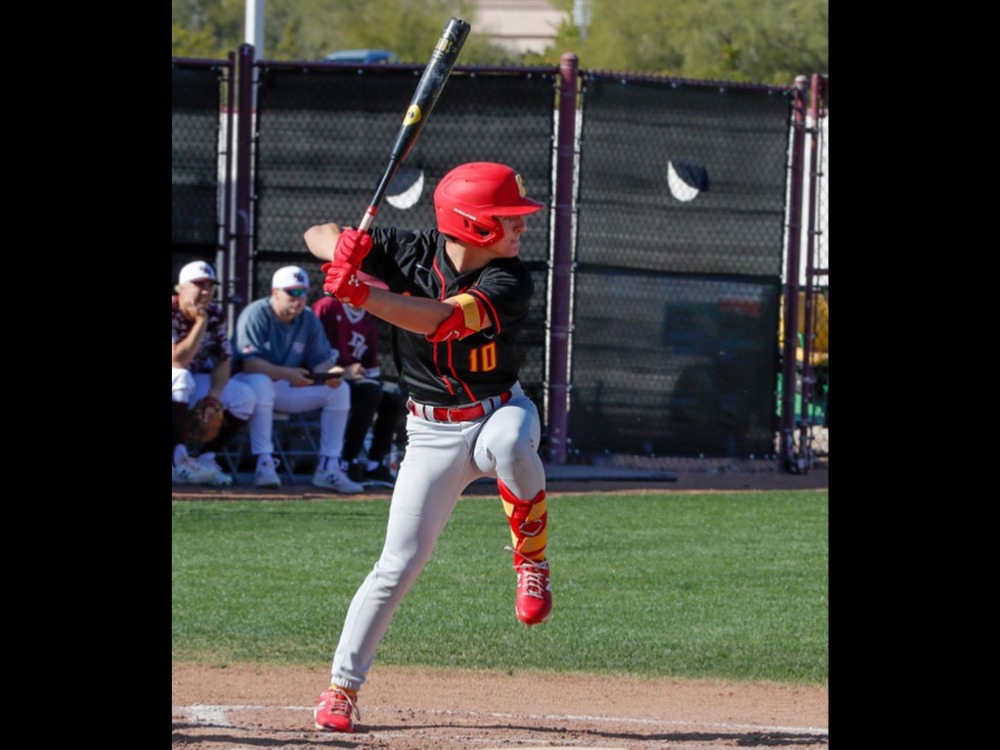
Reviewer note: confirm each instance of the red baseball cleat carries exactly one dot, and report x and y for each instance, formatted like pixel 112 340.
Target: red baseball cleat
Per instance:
pixel 534 594
pixel 334 710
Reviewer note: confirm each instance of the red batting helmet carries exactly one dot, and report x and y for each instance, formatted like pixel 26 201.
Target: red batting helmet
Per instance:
pixel 470 196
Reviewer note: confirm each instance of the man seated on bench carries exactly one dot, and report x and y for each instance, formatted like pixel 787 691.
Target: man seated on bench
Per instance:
pixel 282 352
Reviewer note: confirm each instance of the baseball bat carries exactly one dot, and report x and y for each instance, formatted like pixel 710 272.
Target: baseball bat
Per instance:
pixel 429 88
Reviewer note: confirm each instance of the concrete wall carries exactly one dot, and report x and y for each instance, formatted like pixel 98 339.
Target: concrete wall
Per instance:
pixel 522 25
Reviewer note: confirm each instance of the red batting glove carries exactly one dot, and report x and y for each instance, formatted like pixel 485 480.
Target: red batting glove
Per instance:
pixel 343 283
pixel 352 247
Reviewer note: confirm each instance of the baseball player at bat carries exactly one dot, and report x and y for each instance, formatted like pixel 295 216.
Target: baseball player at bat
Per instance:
pixel 457 297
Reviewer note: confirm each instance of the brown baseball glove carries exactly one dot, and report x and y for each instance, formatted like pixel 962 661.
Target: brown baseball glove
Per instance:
pixel 204 420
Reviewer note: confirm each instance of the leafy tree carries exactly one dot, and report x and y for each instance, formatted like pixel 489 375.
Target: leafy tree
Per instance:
pixel 767 41
pixel 763 41
pixel 207 28
pixel 192 43
pixel 309 29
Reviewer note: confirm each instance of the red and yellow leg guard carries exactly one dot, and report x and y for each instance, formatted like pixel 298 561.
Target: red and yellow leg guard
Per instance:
pixel 528 520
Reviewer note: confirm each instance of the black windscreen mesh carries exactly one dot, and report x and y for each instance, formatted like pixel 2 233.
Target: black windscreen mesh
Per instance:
pixel 325 137
pixel 673 365
pixel 680 225
pixel 323 142
pixel 630 217
pixel 196 94
pixel 676 289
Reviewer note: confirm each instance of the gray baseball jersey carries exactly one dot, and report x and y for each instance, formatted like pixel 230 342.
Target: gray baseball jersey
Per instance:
pixel 260 333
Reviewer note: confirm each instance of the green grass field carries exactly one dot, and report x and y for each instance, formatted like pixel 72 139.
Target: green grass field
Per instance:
pixel 714 585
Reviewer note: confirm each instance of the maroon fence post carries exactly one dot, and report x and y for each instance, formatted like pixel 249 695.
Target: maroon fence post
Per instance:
pixel 243 229
pixel 791 291
pixel 561 267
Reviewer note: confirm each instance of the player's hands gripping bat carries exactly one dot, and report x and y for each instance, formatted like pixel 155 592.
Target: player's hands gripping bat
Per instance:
pixel 352 247
pixel 343 283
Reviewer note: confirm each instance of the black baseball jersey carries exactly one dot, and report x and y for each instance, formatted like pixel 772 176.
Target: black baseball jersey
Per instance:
pixel 452 372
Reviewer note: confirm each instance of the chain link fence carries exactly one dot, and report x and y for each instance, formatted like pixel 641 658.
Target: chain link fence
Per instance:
pixel 680 205
pixel 201 119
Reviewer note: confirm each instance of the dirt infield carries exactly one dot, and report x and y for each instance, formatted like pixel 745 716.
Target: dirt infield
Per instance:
pixel 240 707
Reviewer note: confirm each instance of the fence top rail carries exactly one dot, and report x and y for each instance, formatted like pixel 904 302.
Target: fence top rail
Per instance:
pixel 677 82
pixel 404 67
pixel 497 69
pixel 197 62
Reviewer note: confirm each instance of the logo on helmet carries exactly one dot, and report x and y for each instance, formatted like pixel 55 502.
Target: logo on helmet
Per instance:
pixel 520 185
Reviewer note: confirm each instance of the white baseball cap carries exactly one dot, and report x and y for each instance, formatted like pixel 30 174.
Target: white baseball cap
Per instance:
pixel 290 277
pixel 198 270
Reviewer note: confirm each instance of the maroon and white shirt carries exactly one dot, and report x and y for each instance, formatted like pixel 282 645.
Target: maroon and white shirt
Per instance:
pixel 215 346
pixel 352 332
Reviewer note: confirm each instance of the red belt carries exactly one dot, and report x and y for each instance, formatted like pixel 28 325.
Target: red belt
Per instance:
pixel 461 413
